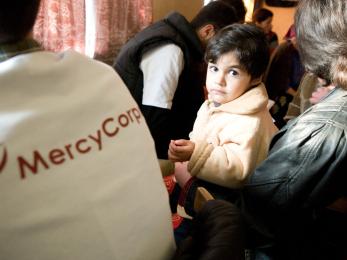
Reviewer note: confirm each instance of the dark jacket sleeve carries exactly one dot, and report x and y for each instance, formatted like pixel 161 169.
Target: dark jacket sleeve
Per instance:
pixel 284 201
pixel 304 170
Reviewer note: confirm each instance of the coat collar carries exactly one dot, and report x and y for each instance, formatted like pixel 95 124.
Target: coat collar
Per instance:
pixel 251 102
pixel 8 51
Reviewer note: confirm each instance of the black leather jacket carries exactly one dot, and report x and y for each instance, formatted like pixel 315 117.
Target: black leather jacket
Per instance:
pixel 304 172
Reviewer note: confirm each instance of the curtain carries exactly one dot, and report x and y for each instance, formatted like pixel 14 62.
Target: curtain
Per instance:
pixel 116 22
pixel 60 25
pixel 97 28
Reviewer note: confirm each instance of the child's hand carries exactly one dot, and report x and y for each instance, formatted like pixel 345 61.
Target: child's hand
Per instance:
pixel 182 175
pixel 180 150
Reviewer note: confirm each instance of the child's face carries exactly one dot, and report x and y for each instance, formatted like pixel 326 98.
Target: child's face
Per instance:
pixel 226 80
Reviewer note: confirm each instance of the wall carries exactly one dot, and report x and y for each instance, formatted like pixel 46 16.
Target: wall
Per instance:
pixel 283 16
pixel 282 20
pixel 189 8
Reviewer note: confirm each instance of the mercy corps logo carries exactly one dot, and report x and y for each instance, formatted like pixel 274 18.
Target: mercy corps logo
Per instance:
pixel 38 161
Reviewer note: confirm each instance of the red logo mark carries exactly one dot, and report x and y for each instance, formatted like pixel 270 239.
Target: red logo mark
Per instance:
pixel 3 159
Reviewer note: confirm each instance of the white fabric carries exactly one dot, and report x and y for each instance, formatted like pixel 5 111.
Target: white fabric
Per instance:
pixel 161 68
pixel 79 177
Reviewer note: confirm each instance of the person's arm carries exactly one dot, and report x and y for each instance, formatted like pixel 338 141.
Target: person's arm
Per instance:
pixel 298 168
pixel 225 159
pixel 294 106
pixel 180 152
pixel 300 101
pixel 291 91
pixel 161 68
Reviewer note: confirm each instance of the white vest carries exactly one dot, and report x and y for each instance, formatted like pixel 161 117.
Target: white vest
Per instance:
pixel 78 173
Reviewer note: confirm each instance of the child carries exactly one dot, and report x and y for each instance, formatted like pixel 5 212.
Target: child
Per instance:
pixel 233 129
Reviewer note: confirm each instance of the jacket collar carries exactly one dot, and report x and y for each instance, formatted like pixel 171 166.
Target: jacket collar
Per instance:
pixel 329 100
pixel 252 101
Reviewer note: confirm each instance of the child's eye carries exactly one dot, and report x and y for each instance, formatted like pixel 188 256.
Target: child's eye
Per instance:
pixel 233 73
pixel 212 68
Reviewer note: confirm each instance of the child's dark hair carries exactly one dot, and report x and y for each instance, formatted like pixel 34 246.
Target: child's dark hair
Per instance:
pixel 247 42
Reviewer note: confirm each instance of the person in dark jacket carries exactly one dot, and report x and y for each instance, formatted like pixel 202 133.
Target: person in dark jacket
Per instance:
pixel 164 69
pixel 286 198
pixel 283 77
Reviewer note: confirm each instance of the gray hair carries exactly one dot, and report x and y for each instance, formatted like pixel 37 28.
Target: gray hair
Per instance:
pixel 321 27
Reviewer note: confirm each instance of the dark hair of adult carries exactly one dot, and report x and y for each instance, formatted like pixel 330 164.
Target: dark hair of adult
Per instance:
pixel 216 13
pixel 261 15
pixel 247 42
pixel 239 7
pixel 321 31
pixel 17 17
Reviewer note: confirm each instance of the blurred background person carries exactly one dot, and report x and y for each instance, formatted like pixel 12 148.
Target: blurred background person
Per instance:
pixel 283 76
pixel 262 18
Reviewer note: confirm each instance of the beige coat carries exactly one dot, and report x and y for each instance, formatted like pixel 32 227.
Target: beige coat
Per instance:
pixel 232 139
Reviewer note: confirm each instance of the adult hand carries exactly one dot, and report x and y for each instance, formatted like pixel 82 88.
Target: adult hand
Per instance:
pixel 180 150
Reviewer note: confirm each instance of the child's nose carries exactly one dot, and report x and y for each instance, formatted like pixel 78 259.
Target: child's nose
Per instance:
pixel 220 79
